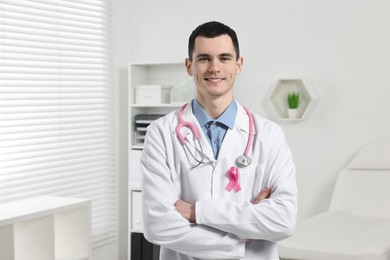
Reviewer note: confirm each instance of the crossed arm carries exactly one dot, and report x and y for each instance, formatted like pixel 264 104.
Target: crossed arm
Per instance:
pixel 187 210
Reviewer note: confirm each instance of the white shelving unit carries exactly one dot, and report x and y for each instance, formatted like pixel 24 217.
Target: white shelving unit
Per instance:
pixel 45 228
pixel 278 98
pixel 168 75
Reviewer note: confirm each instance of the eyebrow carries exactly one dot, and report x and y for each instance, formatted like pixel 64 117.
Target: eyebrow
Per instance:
pixel 201 55
pixel 226 55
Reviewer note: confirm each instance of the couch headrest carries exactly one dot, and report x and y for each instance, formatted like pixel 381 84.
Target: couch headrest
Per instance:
pixel 375 155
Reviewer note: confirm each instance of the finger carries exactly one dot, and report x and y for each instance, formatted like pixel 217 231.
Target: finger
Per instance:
pixel 259 196
pixel 267 192
pixel 177 203
pixel 264 194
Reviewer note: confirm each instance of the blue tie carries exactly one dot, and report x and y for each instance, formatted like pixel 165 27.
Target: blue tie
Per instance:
pixel 215 133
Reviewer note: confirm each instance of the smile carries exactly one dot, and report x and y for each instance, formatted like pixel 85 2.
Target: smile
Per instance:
pixel 215 80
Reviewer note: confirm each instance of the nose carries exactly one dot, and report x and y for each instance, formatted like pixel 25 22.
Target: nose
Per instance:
pixel 214 66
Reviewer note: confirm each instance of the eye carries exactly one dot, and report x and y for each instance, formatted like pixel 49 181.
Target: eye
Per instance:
pixel 226 59
pixel 203 59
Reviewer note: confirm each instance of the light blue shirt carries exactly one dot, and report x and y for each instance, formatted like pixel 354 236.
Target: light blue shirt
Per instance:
pixel 215 129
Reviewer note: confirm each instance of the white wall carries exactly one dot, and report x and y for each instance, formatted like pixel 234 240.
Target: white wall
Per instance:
pixel 342 46
pixel 121 52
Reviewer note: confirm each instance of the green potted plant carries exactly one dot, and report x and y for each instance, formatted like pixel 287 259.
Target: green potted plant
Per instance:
pixel 293 103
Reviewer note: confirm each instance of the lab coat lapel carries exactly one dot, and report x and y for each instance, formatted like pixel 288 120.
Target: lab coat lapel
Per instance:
pixel 237 138
pixel 189 116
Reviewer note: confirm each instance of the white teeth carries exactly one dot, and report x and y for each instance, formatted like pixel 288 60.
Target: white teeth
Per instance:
pixel 214 80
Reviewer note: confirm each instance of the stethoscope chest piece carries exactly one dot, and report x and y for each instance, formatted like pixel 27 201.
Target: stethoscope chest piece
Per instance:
pixel 243 161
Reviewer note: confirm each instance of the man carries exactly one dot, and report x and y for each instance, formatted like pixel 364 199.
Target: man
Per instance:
pixel 231 193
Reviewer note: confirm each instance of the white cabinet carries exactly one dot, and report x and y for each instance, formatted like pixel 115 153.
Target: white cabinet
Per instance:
pixel 155 89
pixel 136 212
pixel 144 78
pixel 45 228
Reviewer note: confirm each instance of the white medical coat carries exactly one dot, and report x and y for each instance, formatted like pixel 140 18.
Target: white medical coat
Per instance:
pixel 227 225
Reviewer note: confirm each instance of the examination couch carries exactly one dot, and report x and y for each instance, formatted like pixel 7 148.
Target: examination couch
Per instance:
pixel 357 224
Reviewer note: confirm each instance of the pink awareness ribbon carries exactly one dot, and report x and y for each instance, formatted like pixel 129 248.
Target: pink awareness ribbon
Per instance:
pixel 233 180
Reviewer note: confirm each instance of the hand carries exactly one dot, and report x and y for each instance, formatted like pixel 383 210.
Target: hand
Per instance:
pixel 186 209
pixel 264 194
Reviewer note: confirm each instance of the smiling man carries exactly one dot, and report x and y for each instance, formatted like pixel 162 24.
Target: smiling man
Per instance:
pixel 218 180
pixel 213 64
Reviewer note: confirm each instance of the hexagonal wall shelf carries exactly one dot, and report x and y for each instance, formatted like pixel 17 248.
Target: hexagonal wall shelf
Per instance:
pixel 278 98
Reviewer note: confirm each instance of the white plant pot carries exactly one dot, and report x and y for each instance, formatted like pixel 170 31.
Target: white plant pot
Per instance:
pixel 292 113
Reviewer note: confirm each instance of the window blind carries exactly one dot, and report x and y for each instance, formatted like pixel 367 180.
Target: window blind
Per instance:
pixel 57 117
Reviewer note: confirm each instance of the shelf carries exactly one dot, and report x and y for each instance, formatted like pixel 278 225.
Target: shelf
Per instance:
pixel 45 228
pixel 70 258
pixel 136 213
pixel 167 75
pixel 144 79
pixel 278 98
pixel 158 105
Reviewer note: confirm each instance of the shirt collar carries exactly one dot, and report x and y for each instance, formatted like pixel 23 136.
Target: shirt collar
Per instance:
pixel 227 118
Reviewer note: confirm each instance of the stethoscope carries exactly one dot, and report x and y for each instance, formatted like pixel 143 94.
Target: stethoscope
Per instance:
pixel 241 161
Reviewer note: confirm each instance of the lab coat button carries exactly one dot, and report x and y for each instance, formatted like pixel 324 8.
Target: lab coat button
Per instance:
pixel 214 163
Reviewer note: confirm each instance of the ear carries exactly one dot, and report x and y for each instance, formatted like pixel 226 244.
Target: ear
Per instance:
pixel 239 63
pixel 188 65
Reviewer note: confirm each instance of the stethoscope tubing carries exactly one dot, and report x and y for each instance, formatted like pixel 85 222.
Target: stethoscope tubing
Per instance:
pixel 181 123
pixel 251 130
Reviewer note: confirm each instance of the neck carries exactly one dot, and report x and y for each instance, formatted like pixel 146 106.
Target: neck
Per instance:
pixel 214 107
